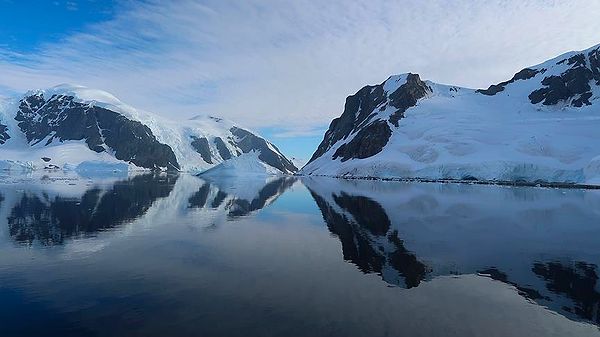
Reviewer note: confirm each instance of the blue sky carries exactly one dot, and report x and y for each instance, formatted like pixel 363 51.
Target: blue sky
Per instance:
pixel 26 24
pixel 283 68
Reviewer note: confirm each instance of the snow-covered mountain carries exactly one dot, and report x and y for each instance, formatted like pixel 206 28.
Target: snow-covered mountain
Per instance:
pixel 76 127
pixel 540 126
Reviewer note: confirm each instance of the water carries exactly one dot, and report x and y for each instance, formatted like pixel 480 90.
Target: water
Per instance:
pixel 166 255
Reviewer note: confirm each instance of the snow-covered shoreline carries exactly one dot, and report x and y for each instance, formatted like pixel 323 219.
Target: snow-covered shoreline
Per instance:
pixel 537 184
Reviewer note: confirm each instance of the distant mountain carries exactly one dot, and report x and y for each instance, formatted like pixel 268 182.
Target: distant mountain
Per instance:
pixel 70 126
pixel 539 126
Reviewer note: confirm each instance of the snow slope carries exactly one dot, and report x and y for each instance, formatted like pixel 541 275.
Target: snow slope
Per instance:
pixel 248 163
pixel 197 144
pixel 458 133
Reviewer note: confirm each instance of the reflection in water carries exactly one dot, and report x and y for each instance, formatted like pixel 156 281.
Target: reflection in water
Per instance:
pixel 362 226
pixel 497 275
pixel 458 229
pixel 254 198
pixel 52 220
pixel 578 282
pixel 510 253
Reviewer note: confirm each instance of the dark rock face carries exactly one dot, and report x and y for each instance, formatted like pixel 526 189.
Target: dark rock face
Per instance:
pixel 362 235
pixel 594 57
pixel 4 136
pixel 358 118
pixel 524 74
pixel 572 86
pixel 62 118
pixel 407 96
pixel 200 144
pixel 222 148
pixel 369 141
pixel 248 142
pixel 357 111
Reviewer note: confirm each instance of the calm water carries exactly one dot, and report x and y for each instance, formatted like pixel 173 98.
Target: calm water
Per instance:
pixel 158 255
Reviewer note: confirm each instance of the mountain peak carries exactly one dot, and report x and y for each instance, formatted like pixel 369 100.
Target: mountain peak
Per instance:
pixel 540 125
pixel 74 125
pixel 572 79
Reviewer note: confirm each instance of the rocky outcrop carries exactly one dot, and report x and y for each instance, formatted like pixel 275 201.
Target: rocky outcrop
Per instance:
pixel 360 118
pixel 573 85
pixel 61 118
pixel 62 121
pixel 524 74
pixel 369 141
pixel 4 136
pixel 406 128
pixel 200 144
pixel 222 149
pixel 269 154
pixel 406 96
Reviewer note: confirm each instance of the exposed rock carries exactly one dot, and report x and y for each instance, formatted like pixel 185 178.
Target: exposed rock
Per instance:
pixel 200 144
pixel 407 96
pixel 61 118
pixel 248 142
pixel 222 148
pixel 369 141
pixel 573 85
pixel 370 136
pixel 524 74
pixel 4 136
pixel 594 57
pixel 357 110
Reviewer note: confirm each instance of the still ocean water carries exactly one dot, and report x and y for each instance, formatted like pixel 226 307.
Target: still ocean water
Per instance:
pixel 176 255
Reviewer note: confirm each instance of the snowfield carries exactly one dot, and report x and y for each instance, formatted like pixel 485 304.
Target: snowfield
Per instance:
pixel 459 133
pixel 247 163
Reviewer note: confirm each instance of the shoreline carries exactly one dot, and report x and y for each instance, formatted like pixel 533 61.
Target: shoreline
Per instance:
pixel 467 182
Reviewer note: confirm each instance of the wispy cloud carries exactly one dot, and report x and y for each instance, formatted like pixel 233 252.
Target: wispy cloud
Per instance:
pixel 292 63
pixel 291 132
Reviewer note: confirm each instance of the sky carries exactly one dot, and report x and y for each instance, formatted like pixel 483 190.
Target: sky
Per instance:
pixel 280 67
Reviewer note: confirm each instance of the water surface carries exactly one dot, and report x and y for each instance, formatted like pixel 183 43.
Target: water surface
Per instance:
pixel 176 255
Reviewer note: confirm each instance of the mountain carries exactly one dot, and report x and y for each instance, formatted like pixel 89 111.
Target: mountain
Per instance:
pixel 539 126
pixel 72 126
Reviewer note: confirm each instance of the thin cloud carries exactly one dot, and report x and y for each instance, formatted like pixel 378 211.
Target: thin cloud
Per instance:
pixel 299 132
pixel 291 64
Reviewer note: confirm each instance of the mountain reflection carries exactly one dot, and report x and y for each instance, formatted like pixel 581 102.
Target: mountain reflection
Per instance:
pixel 407 233
pixel 37 217
pixel 578 282
pixel 239 197
pixel 362 226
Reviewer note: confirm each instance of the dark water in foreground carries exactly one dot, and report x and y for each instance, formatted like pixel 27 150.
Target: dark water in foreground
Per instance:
pixel 180 256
